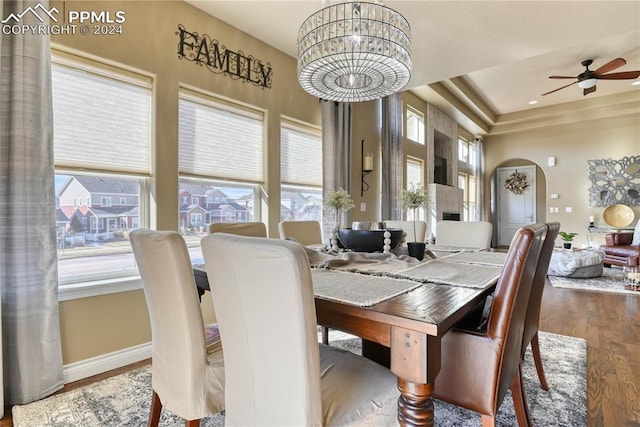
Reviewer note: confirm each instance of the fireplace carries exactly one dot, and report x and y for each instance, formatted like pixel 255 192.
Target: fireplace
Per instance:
pixel 451 216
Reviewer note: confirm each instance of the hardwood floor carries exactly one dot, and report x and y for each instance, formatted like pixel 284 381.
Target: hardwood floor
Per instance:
pixel 611 325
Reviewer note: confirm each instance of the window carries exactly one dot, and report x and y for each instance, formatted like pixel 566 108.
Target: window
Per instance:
pixel 300 171
pixel 196 218
pixel 468 185
pixel 415 125
pixel 123 200
pixel 97 106
pixel 467 152
pixel 415 173
pixel 221 156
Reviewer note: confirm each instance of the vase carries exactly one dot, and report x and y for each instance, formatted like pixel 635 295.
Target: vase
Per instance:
pixel 333 239
pixel 416 250
pixel 567 245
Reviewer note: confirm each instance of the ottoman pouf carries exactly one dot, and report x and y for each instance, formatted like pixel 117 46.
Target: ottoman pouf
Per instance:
pixel 576 263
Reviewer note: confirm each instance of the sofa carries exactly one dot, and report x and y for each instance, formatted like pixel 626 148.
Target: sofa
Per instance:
pixel 622 248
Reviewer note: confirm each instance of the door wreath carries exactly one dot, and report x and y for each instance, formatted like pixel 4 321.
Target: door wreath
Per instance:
pixel 516 182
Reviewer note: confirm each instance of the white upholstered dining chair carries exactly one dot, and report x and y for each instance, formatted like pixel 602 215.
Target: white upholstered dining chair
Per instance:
pixel 276 372
pixel 187 377
pixel 256 229
pixel 306 233
pixel 467 234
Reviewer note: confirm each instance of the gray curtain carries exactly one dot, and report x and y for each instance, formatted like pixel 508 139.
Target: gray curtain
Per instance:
pixel 479 174
pixel 336 157
pixel 28 267
pixel 1 360
pixel 392 157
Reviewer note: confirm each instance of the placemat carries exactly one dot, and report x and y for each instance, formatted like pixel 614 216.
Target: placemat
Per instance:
pixel 453 273
pixel 362 290
pixel 483 258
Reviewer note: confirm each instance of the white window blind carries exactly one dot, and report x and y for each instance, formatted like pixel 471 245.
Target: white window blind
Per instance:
pixel 301 155
pixel 220 141
pixel 101 123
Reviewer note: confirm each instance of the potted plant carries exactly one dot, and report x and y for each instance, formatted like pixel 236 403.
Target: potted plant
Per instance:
pixel 413 198
pixel 568 238
pixel 340 201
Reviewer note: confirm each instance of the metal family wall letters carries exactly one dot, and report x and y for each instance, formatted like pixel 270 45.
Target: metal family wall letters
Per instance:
pixel 205 51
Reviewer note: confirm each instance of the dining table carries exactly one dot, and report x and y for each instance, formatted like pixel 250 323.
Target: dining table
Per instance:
pixel 404 307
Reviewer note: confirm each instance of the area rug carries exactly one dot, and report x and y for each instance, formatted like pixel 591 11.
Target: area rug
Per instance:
pixel 610 281
pixel 124 400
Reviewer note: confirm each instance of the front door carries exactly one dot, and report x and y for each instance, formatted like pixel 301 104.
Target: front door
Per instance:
pixel 515 210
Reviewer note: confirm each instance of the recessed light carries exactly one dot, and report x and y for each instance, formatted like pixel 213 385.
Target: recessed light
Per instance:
pixel 534 102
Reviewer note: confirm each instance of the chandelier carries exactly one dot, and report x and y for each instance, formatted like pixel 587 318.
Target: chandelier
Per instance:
pixel 354 51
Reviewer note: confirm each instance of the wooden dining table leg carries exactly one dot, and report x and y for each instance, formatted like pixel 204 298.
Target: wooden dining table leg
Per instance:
pixel 415 404
pixel 415 359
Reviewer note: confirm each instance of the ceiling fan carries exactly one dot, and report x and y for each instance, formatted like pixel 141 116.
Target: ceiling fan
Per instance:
pixel 587 79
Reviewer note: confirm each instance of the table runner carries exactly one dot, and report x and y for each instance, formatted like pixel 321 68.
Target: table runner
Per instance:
pixel 362 290
pixel 372 263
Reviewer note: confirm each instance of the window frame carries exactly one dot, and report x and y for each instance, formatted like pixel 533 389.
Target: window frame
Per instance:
pixel 294 186
pixel 217 179
pixel 96 284
pixel 422 212
pixel 420 121
pixel 467 173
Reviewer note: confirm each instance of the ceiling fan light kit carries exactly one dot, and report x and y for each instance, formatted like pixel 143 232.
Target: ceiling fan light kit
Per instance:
pixel 354 51
pixel 586 84
pixel 588 79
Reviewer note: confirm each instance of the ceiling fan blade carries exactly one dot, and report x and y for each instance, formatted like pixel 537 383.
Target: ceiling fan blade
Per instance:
pixel 589 90
pixel 610 66
pixel 624 75
pixel 562 77
pixel 555 90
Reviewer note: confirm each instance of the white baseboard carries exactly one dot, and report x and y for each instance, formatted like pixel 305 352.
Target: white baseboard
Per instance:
pixel 106 362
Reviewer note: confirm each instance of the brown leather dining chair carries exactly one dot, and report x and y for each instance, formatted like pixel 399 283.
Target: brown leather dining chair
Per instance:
pixel 478 368
pixel 532 320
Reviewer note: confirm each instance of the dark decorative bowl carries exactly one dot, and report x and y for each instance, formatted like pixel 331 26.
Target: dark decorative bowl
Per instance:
pixel 367 240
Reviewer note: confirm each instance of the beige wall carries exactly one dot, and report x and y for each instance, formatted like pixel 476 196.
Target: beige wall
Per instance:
pixel 98 325
pixel 572 145
pixel 366 126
